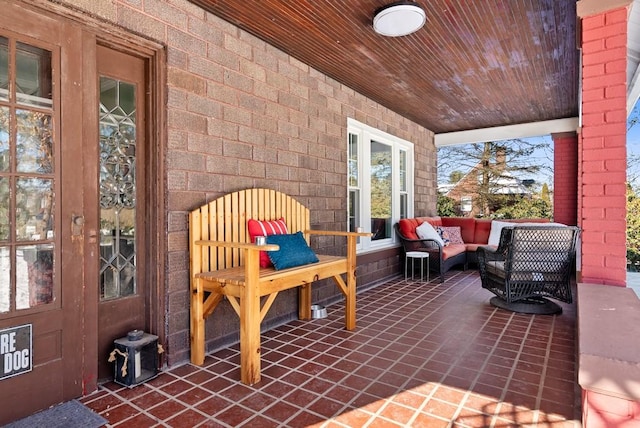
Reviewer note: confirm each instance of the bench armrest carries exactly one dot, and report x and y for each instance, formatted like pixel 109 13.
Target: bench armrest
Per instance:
pixel 240 245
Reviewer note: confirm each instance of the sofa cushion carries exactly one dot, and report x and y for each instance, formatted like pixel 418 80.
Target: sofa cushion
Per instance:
pixel 496 227
pixel 408 227
pixel 452 250
pixel 483 227
pixel 496 230
pixel 426 231
pixel 467 226
pixel 434 221
pixel 496 268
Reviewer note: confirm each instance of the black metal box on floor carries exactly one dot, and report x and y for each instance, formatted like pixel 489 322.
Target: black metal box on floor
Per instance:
pixel 136 358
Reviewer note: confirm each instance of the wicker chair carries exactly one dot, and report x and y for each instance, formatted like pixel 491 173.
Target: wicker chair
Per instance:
pixel 530 264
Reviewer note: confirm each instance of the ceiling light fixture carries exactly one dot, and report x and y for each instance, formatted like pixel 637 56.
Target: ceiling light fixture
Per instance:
pixel 399 19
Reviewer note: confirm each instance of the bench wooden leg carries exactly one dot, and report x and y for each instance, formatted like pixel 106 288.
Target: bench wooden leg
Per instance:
pixel 250 323
pixel 350 295
pixel 350 302
pixel 197 322
pixel 304 302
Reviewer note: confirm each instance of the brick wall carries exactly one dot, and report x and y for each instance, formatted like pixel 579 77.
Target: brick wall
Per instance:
pixel 241 114
pixel 602 167
pixel 565 178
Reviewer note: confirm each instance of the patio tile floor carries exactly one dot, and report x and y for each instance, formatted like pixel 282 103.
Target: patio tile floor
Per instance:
pixel 422 355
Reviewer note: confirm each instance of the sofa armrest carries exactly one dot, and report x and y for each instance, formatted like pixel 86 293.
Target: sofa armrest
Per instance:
pixel 412 244
pixel 489 253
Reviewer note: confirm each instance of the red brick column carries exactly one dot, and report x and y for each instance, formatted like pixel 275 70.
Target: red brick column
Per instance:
pixel 602 145
pixel 565 178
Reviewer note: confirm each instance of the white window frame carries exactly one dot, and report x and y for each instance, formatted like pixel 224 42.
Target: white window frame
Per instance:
pixel 466 202
pixel 365 135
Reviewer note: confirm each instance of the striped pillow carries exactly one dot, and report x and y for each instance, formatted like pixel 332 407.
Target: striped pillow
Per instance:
pixel 266 228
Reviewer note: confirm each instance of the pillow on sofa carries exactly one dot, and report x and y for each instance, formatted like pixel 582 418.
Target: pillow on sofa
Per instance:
pixel 426 231
pixel 294 251
pixel 453 234
pixel 496 230
pixel 266 228
pixel 444 234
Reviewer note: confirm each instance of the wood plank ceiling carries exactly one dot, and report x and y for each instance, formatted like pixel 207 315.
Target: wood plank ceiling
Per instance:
pixel 475 64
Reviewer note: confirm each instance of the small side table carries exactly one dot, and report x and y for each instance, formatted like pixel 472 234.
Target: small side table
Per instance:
pixel 413 255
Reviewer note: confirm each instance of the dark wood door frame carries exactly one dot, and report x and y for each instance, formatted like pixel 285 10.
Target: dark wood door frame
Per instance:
pixel 155 221
pixel 97 32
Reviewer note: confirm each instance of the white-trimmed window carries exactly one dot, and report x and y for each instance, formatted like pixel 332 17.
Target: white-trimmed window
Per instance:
pixel 466 204
pixel 380 183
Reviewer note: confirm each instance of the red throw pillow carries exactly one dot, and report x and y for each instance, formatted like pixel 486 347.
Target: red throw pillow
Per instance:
pixel 266 228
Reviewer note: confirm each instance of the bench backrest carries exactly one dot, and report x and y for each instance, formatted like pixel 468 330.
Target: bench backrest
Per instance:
pixel 225 219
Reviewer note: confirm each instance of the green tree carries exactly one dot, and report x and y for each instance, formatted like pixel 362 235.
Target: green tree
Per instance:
pixel 525 207
pixel 447 207
pixel 633 228
pixel 544 193
pixel 455 176
pixel 381 184
pixel 494 161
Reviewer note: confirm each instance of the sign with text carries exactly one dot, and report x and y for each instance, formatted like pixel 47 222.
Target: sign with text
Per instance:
pixel 15 351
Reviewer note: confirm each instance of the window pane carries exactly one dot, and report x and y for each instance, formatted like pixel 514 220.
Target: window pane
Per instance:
pixel 353 160
pixel 5 279
pixel 354 212
pixel 34 143
pixel 34 275
pixel 33 75
pixel 403 171
pixel 4 68
pixel 34 212
pixel 404 205
pixel 466 204
pixel 381 190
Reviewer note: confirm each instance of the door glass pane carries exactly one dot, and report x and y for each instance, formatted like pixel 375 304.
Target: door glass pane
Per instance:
pixel 5 155
pixel 5 279
pixel 33 75
pixel 34 142
pixel 34 209
pixel 117 189
pixel 4 69
pixel 381 174
pixel 27 177
pixel 34 275
pixel 4 209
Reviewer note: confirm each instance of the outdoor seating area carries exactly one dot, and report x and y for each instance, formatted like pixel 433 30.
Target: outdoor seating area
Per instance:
pixel 452 241
pixel 530 264
pixel 422 355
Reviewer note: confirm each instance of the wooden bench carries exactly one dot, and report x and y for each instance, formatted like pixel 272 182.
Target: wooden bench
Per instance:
pixel 224 263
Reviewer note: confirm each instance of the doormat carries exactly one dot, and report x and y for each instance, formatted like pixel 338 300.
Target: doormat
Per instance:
pixel 71 414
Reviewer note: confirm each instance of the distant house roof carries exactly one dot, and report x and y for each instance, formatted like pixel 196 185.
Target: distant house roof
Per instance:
pixel 506 184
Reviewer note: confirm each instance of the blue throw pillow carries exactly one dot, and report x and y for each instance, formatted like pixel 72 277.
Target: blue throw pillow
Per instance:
pixel 294 251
